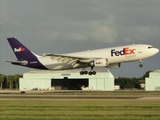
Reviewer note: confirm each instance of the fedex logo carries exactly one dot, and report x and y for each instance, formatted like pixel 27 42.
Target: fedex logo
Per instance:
pixel 99 63
pixel 20 49
pixel 124 51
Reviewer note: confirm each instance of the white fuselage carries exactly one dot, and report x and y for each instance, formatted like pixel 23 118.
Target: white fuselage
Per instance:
pixel 114 55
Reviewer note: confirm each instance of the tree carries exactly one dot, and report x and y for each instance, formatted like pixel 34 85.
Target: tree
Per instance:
pixel 146 75
pixel 2 77
pixel 16 80
pixel 10 79
pixel 126 83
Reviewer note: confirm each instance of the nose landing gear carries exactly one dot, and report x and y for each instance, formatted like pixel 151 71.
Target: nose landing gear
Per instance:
pixel 140 63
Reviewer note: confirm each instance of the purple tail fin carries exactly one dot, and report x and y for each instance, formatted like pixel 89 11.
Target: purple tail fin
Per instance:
pixel 21 52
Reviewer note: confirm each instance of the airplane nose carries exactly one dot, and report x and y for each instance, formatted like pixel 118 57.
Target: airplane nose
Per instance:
pixel 154 51
pixel 157 50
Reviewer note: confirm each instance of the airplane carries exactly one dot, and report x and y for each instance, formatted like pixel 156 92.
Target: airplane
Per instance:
pixel 107 57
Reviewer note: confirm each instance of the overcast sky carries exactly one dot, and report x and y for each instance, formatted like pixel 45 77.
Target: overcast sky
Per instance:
pixel 61 26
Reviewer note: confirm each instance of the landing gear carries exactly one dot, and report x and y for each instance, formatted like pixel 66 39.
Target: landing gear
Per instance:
pixel 92 73
pixel 140 63
pixel 84 72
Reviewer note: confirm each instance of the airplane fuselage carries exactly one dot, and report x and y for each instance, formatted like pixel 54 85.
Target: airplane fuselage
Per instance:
pixel 108 57
pixel 114 55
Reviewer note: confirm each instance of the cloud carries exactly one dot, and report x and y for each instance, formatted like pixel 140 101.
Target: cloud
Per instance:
pixel 95 31
pixel 71 25
pixel 103 21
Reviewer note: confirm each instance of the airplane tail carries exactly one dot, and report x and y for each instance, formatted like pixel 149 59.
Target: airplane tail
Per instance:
pixel 21 52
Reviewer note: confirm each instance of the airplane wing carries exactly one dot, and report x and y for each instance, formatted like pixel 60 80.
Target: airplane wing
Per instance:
pixel 70 59
pixel 17 62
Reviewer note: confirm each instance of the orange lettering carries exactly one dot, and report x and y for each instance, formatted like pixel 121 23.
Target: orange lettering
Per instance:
pixel 126 51
pixel 132 51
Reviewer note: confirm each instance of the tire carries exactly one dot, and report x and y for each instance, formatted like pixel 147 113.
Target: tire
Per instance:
pixel 90 73
pixel 81 72
pixel 94 73
pixel 140 65
pixel 85 72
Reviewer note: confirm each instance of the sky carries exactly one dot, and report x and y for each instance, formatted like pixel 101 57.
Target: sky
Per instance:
pixel 64 26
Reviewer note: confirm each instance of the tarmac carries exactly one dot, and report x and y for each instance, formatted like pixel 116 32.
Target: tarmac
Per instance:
pixel 58 95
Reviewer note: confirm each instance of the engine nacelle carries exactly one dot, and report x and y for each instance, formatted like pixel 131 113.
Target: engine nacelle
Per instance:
pixel 115 65
pixel 101 62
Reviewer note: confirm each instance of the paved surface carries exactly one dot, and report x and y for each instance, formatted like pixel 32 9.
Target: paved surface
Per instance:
pixel 41 95
pixel 25 96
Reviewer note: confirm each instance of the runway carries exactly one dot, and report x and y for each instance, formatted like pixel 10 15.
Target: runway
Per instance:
pixel 73 95
pixel 52 97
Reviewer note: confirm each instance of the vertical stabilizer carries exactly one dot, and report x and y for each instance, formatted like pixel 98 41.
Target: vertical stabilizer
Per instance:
pixel 21 52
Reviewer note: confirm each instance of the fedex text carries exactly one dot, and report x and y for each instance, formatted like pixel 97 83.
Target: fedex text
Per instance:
pixel 20 49
pixel 124 51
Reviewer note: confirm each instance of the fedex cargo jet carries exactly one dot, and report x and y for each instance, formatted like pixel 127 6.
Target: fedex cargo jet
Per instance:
pixel 107 57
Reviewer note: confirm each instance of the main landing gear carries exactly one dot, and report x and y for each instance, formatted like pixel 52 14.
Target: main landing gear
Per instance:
pixel 140 63
pixel 84 72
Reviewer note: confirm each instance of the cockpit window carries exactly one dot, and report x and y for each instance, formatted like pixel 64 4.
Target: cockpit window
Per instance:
pixel 150 47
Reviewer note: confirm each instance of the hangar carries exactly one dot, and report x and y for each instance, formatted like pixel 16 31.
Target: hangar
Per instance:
pixel 153 81
pixel 66 80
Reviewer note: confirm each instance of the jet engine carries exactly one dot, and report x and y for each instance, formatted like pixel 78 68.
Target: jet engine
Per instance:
pixel 115 65
pixel 100 62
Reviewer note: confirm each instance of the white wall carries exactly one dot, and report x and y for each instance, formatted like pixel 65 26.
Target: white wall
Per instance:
pixel 35 83
pixel 42 79
pixel 153 82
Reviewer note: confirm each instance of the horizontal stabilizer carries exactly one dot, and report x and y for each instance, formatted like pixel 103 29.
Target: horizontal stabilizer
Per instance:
pixel 17 62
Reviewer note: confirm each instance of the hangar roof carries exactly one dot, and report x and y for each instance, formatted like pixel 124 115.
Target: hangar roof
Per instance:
pixel 156 71
pixel 64 73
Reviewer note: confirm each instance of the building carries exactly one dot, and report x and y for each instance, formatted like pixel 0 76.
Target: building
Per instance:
pixel 116 87
pixel 142 84
pixel 66 80
pixel 153 81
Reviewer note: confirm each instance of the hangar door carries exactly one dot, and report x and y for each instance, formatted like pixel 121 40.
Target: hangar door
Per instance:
pixel 69 84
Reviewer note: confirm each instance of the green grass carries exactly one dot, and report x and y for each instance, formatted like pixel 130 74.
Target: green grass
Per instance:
pixel 79 109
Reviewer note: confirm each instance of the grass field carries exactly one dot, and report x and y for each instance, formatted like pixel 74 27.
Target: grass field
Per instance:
pixel 80 109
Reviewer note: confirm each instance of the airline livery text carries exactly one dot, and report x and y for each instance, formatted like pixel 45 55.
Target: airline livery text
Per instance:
pixel 124 51
pixel 20 49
